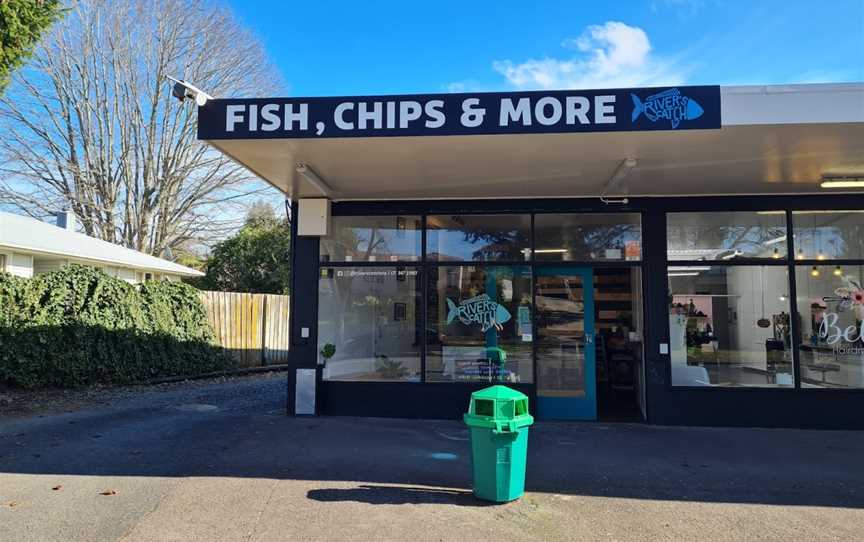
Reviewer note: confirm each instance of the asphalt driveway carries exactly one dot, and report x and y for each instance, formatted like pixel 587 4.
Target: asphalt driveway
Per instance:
pixel 223 462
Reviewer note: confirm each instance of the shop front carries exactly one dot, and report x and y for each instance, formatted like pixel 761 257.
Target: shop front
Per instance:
pixel 659 255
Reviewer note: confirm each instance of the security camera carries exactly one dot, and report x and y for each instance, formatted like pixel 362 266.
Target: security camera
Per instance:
pixel 182 90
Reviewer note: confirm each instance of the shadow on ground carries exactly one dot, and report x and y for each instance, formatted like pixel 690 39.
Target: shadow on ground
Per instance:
pixel 239 429
pixel 370 494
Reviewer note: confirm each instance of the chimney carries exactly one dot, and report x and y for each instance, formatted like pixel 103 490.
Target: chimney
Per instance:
pixel 66 220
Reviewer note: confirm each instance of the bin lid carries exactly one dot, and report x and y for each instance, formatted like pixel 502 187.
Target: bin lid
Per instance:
pixel 498 392
pixel 500 408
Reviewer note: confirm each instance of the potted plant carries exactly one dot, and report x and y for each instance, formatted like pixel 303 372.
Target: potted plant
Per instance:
pixel 391 369
pixel 327 352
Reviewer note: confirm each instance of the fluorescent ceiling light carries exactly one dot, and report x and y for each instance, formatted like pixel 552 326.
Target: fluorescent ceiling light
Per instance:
pixel 314 179
pixel 618 175
pixel 831 212
pixel 820 212
pixel 842 182
pixel 621 172
pixel 684 274
pixel 775 240
pixel 694 251
pixel 550 251
pixel 691 268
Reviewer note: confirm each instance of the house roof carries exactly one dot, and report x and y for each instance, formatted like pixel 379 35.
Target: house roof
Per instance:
pixel 28 234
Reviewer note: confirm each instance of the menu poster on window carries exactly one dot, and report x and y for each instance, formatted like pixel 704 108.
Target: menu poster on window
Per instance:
pixel 468 363
pixel 400 312
pixel 523 320
pixel 632 251
pixel 478 369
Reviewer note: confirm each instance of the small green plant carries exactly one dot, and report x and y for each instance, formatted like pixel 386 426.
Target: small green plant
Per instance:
pixel 328 351
pixel 391 370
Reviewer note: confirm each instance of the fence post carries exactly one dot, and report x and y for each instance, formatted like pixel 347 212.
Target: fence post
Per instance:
pixel 264 329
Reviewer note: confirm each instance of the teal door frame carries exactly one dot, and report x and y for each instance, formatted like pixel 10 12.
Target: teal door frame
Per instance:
pixel 572 408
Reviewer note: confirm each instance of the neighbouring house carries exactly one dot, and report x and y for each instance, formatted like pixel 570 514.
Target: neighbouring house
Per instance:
pixel 30 247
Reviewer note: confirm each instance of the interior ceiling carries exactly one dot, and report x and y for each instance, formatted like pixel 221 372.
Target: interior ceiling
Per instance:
pixel 756 159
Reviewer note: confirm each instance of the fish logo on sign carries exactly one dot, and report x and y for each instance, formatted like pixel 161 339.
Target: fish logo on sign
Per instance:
pixel 668 105
pixel 478 310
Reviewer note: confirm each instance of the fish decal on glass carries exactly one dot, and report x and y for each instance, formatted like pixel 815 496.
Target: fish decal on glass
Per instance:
pixel 668 105
pixel 478 310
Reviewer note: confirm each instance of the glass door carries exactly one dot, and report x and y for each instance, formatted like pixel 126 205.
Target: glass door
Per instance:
pixel 566 382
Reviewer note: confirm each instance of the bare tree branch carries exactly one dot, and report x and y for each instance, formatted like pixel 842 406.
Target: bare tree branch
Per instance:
pixel 90 123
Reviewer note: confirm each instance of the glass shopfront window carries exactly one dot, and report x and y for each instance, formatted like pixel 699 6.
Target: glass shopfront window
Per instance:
pixel 373 239
pixel 371 316
pixel 478 237
pixel 726 236
pixel 828 235
pixel 730 326
pixel 588 237
pixel 480 324
pixel 831 311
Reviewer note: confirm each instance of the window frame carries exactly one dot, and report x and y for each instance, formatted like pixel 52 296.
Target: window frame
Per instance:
pixel 788 205
pixel 421 292
pixel 523 261
pixel 425 209
pixel 736 261
pixel 727 264
pixel 805 265
pixel 591 263
pixel 385 263
pixel 435 265
pixel 791 235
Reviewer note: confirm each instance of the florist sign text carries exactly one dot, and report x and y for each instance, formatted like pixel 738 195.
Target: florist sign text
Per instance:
pixel 615 110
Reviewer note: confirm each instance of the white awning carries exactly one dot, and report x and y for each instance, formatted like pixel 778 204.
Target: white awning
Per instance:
pixel 773 140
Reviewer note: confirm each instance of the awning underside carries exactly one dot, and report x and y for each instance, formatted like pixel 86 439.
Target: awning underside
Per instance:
pixel 753 159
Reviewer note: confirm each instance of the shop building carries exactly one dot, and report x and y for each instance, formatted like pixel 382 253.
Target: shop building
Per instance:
pixel 688 255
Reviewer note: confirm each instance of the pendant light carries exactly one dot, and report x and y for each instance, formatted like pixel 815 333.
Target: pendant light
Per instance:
pixel 819 255
pixel 762 322
pixel 814 272
pixel 838 272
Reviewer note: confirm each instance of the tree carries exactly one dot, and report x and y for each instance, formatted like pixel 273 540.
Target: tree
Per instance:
pixel 257 259
pixel 90 123
pixel 22 22
pixel 260 211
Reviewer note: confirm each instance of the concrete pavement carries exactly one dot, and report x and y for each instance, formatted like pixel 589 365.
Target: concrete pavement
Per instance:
pixel 223 462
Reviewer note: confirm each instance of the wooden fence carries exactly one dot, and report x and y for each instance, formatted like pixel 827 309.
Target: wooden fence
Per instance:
pixel 254 327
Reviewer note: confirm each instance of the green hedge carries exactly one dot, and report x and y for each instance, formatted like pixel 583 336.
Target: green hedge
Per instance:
pixel 78 326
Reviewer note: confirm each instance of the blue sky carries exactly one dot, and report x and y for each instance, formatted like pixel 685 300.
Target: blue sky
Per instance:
pixel 390 47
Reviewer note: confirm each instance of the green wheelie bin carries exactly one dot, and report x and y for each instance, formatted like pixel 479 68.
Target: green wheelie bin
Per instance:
pixel 498 422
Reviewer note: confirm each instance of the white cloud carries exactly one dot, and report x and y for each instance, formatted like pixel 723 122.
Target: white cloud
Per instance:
pixel 610 55
pixel 468 85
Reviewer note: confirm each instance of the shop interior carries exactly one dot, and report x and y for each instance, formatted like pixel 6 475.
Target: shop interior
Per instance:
pixel 482 310
pixel 618 343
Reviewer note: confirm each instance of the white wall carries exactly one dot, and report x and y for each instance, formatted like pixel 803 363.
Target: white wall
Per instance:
pixel 29 265
pixel 20 265
pixel 749 288
pixel 122 273
pixel 42 265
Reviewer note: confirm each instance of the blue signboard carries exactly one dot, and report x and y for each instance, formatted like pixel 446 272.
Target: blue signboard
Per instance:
pixel 564 111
